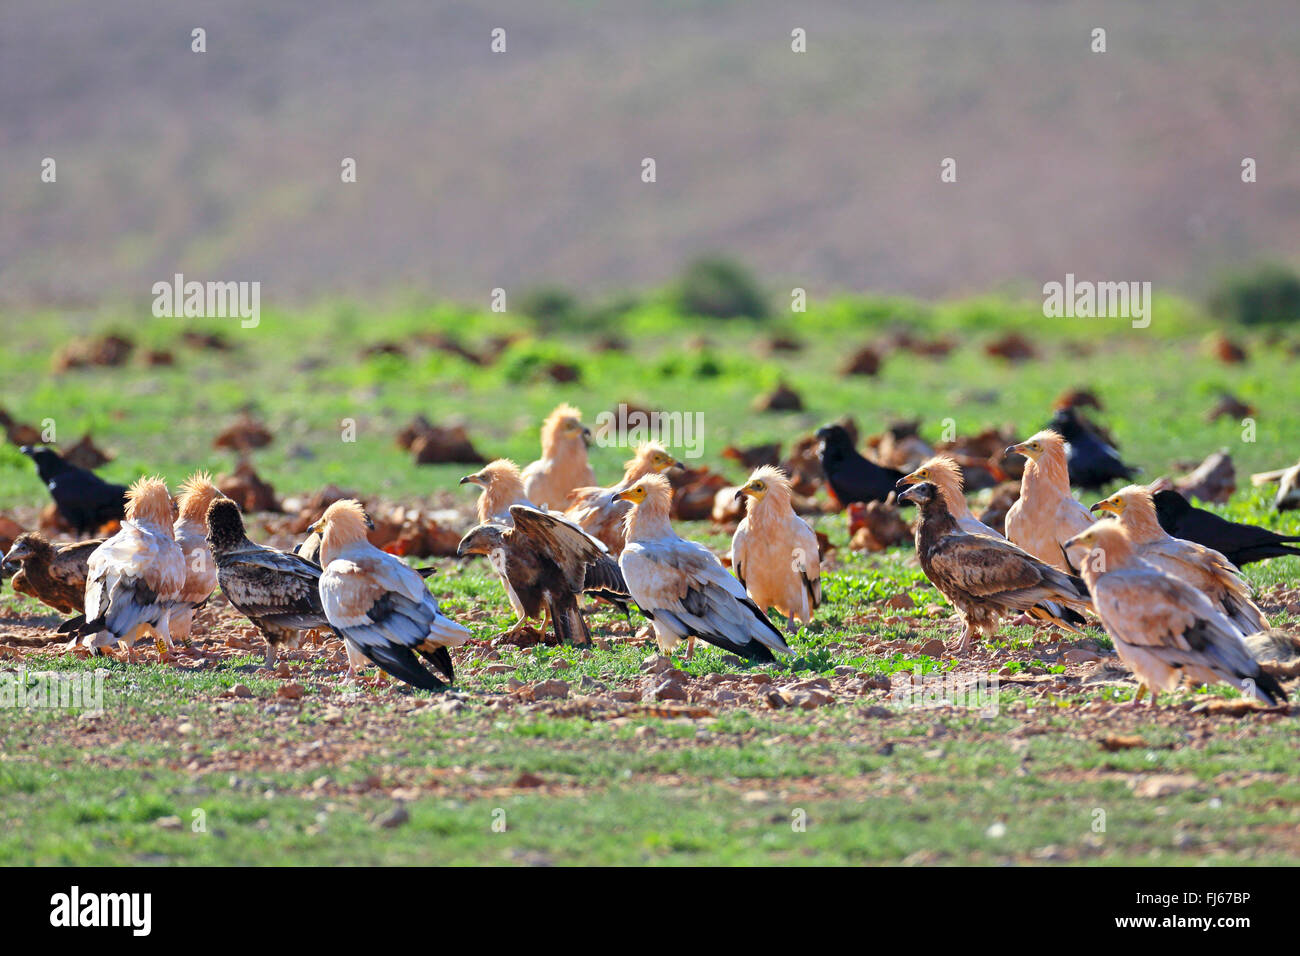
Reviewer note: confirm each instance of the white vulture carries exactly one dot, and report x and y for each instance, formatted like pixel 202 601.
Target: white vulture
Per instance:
pixel 774 552
pixel 563 465
pixel 134 578
pixel 379 604
pixel 601 513
pixel 191 533
pixel 1203 568
pixel 1046 514
pixel 1164 629
pixel 683 587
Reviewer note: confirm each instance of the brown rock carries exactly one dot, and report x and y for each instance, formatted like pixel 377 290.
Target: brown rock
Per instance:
pixel 783 398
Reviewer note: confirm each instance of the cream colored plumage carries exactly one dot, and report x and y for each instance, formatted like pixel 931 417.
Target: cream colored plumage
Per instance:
pixel 600 512
pixel 1164 629
pixel 1203 568
pixel 683 587
pixel 1046 515
pixel 563 465
pixel 502 487
pixel 774 552
pixel 379 604
pixel 134 578
pixel 191 534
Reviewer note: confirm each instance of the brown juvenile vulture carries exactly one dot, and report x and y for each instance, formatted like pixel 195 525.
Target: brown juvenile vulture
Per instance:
pixel 545 563
pixel 54 575
pixel 984 577
pixel 276 590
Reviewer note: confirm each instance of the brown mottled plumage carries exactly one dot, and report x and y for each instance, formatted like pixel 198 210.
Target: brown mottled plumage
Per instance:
pixel 278 591
pixel 54 575
pixel 984 577
pixel 545 563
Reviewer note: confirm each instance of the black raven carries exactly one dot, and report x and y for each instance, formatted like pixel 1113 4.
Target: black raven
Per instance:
pixel 1239 543
pixel 85 500
pixel 1093 463
pixel 852 477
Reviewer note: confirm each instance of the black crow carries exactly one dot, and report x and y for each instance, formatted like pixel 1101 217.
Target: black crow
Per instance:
pixel 852 477
pixel 1093 463
pixel 1239 543
pixel 85 501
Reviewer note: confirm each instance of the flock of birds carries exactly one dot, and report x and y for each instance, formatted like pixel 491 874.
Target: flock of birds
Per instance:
pixel 1162 576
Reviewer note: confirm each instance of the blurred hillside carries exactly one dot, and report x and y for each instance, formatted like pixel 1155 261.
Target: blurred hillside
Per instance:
pixel 478 170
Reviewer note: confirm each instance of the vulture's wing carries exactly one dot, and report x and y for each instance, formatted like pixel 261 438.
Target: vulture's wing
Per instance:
pixel 681 583
pixel 1154 612
pixel 273 586
pixel 386 624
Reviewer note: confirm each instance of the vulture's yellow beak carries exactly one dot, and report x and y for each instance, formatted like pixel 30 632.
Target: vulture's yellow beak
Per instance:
pixel 1114 505
pixel 635 494
pixel 318 527
pixel 754 489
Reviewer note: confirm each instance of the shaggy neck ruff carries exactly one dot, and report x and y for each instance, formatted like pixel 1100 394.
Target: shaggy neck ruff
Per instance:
pixel 149 503
pixel 344 529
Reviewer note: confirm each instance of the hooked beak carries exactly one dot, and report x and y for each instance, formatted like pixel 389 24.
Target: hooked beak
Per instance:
pixel 370 522
pixel 314 528
pixel 677 464
pixel 1015 450
pixel 470 480
pixel 906 481
pixel 625 496
pixel 741 492
pixel 907 494
pixel 586 437
pixel 1097 507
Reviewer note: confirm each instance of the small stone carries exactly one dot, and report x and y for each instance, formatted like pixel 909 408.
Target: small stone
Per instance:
pixel 655 664
pixel 1080 655
pixel 1160 785
pixel 241 690
pixel 395 817
pixel 168 823
pixel 669 689
pixel 556 689
pixel 528 780
pixel 185 728
pixel 290 691
pixel 498 669
pixel 932 648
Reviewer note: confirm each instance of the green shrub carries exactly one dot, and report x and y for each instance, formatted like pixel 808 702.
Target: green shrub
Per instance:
pixel 720 288
pixel 1267 295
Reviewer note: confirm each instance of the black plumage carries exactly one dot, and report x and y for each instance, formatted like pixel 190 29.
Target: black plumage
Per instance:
pixel 1093 463
pixel 84 500
pixel 1239 543
pixel 851 476
pixel 546 562
pixel 278 591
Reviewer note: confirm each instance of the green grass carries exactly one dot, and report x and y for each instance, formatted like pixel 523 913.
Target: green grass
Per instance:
pixel 278 783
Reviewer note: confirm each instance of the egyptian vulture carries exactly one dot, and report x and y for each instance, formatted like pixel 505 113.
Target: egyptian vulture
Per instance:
pixel 191 533
pixel 1204 569
pixel 1240 543
pixel 563 465
pixel 134 578
pixel 682 586
pixel 502 487
pixel 984 577
pixel 545 563
pixel 601 513
pixel 774 551
pixel 379 604
pixel 277 590
pixel 1163 628
pixel 1046 514
pixel 945 474
pixel 54 575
